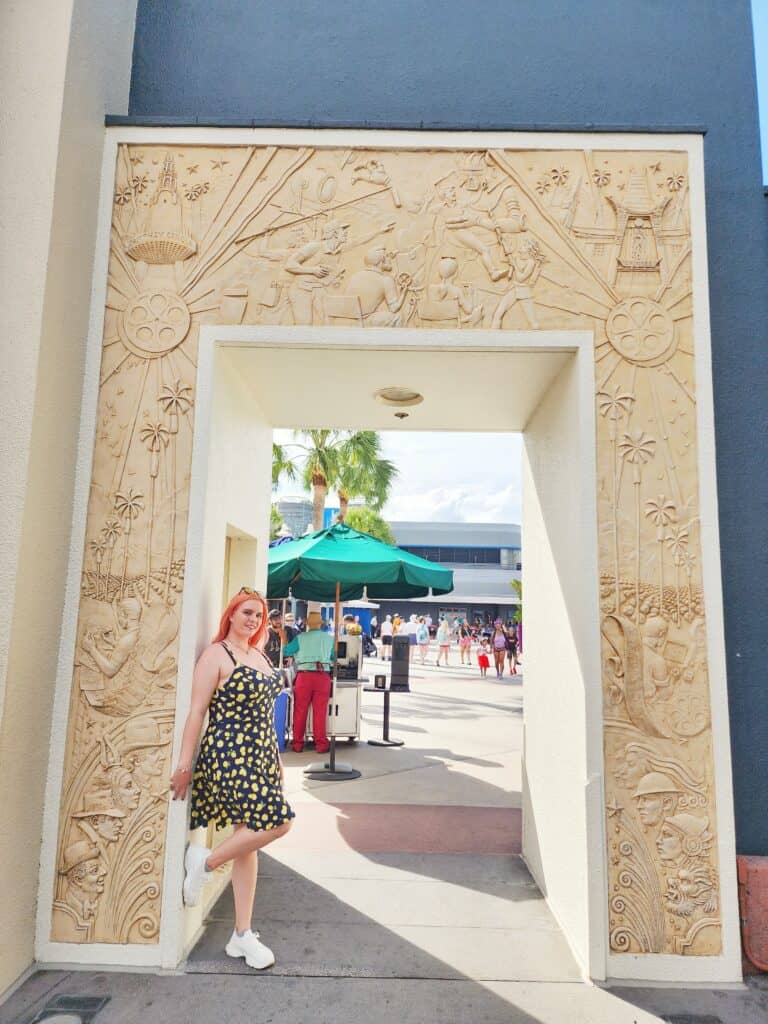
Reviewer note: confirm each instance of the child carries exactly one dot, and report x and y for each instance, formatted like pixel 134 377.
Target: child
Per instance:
pixel 482 658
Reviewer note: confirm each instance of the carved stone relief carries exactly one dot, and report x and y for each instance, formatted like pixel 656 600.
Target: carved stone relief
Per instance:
pixel 559 240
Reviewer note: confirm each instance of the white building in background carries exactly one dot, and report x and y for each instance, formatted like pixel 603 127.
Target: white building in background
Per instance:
pixel 485 559
pixel 296 511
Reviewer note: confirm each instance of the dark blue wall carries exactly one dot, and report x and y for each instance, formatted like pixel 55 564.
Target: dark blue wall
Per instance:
pixel 495 64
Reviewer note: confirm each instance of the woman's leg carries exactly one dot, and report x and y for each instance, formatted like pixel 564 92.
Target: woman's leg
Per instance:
pixel 244 841
pixel 245 870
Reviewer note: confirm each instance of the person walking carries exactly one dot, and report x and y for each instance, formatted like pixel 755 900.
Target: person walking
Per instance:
pixel 482 658
pixel 422 639
pixel 443 641
pixel 238 775
pixel 387 630
pixel 313 654
pixel 465 643
pixel 512 649
pixel 499 647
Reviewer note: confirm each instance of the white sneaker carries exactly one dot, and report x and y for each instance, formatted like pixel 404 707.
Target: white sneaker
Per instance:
pixel 256 954
pixel 196 876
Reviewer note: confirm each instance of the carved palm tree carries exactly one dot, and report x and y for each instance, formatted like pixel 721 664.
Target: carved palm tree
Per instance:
pixel 128 506
pixel 677 542
pixel 613 406
pixel 156 437
pixel 363 473
pixel 176 400
pixel 637 448
pixel 687 561
pixel 110 533
pixel 661 513
pixel 99 549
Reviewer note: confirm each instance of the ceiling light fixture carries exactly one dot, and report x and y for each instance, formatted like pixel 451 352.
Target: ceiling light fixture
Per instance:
pixel 398 396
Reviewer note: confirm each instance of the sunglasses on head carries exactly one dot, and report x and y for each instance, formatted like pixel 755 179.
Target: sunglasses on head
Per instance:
pixel 248 590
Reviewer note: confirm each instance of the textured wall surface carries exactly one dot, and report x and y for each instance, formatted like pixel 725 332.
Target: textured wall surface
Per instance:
pixel 643 64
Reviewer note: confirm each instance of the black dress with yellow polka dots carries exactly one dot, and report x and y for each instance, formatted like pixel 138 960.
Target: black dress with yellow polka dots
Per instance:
pixel 237 773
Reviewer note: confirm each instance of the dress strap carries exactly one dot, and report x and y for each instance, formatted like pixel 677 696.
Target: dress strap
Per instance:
pixel 234 659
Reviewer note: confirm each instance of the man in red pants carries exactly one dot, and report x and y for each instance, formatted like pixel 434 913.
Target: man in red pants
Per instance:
pixel 312 653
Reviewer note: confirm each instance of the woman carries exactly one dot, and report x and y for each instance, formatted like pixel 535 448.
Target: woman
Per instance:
pixel 512 649
pixel 238 777
pixel 443 641
pixel 422 639
pixel 499 647
pixel 465 643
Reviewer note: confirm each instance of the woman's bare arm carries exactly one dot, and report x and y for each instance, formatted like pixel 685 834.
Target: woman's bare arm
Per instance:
pixel 206 678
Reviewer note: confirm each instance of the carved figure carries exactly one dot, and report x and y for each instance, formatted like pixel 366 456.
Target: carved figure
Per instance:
pixel 101 823
pixel 115 659
pixel 371 289
pixel 446 301
pixel 524 265
pixel 114 785
pixel 683 838
pixel 691 889
pixel 657 797
pixel 83 883
pixel 143 753
pixel 656 675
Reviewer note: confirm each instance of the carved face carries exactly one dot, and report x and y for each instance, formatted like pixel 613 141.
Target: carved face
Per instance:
pixel 669 844
pixel 150 760
pixel 126 793
pixel 128 613
pixel 655 633
pixel 652 807
pixel 89 877
pixel 106 826
pixel 631 768
pixel 334 238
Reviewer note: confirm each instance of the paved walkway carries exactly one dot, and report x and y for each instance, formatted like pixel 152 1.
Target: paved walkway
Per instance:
pixel 399 896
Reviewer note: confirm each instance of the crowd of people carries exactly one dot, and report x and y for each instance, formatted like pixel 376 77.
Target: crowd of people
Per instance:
pixel 497 640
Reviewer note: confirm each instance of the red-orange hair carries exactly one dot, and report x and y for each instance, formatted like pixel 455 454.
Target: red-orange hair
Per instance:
pixel 240 598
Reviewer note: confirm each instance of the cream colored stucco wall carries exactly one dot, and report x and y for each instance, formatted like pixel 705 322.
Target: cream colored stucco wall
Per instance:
pixel 561 839
pixel 63 63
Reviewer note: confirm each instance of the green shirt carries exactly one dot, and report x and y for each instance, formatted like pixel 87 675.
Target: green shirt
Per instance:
pixel 309 648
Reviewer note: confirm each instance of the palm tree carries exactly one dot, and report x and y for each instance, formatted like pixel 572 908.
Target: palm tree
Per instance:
pixel 99 548
pixel 176 399
pixel 155 436
pixel 110 533
pixel 688 560
pixel 613 407
pixel 347 461
pixel 677 542
pixel 661 513
pixel 363 473
pixel 128 506
pixel 637 448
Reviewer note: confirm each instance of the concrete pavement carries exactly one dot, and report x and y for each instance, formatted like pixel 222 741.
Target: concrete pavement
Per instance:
pixel 399 896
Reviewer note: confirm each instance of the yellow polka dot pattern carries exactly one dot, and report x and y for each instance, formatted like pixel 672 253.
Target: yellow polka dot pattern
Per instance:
pixel 237 773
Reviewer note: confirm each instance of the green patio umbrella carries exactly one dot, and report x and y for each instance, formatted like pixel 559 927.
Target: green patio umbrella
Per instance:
pixel 339 563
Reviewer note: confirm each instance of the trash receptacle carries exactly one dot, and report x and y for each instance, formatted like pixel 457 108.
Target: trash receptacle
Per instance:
pixel 400 663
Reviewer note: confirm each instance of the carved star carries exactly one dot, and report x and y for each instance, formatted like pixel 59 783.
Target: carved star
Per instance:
pixel 193 168
pixel 613 807
pixel 218 165
pixel 136 160
pixel 656 168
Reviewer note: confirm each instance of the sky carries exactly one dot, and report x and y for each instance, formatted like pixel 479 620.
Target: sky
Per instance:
pixel 760 28
pixel 446 477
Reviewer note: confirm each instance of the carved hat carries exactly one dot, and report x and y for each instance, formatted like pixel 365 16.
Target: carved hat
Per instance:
pixel 142 732
pixel 694 831
pixel 77 853
pixel 95 807
pixel 655 782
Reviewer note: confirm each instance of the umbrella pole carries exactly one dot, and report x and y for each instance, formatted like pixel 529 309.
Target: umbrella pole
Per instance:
pixel 331 771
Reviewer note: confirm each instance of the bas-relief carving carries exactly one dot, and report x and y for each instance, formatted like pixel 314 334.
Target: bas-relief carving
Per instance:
pixel 497 239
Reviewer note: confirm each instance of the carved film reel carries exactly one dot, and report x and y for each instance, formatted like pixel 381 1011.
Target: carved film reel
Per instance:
pixel 154 323
pixel 641 331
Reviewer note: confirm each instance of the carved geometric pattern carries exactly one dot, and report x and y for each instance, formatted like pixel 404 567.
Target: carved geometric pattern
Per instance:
pixel 499 239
